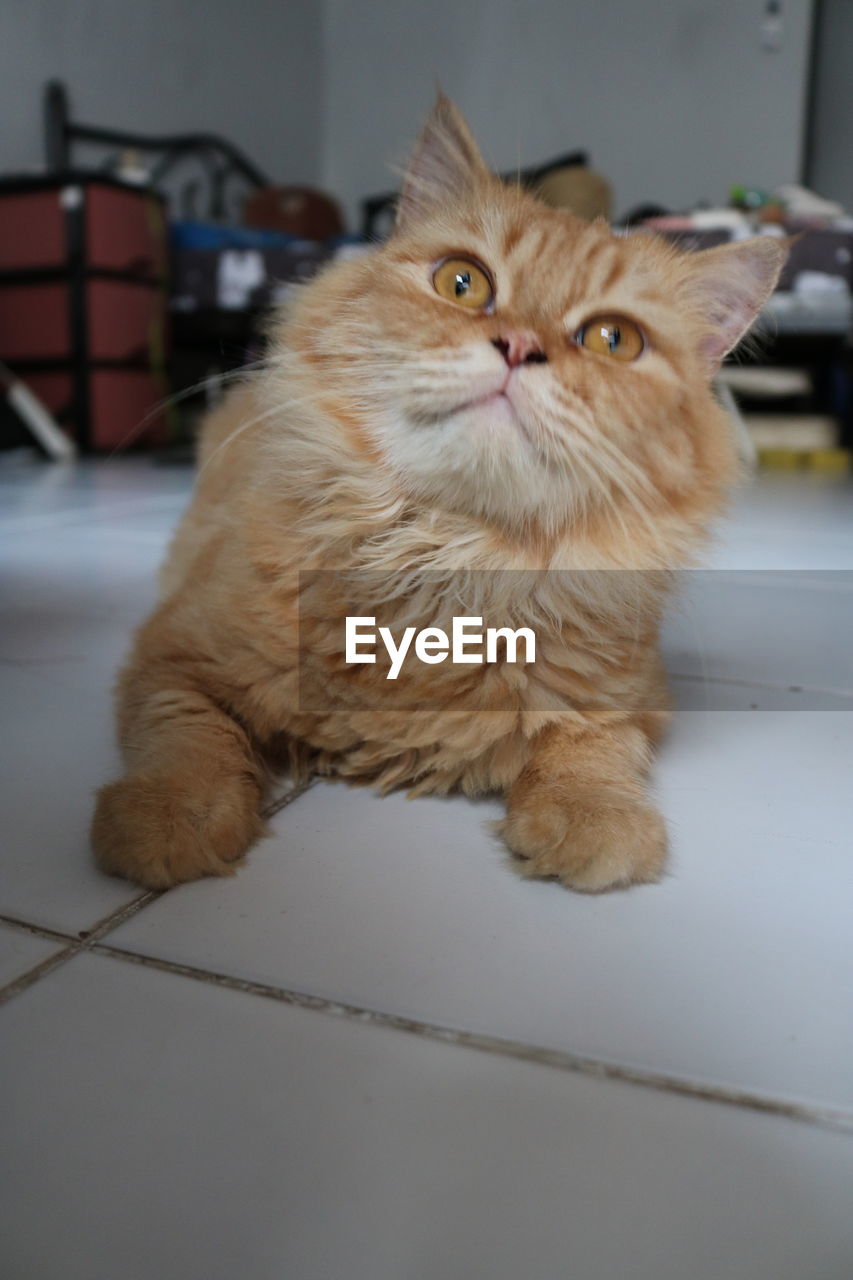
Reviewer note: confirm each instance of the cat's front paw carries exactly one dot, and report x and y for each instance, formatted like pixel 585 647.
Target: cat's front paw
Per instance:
pixel 159 830
pixel 591 842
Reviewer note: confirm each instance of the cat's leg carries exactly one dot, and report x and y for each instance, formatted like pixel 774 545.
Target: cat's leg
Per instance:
pixel 189 803
pixel 580 811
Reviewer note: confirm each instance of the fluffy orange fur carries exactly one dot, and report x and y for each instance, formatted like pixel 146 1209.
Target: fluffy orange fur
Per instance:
pixel 387 461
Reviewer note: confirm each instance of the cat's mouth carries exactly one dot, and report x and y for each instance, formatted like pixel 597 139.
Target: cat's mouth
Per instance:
pixel 501 404
pixel 478 402
pixel 489 397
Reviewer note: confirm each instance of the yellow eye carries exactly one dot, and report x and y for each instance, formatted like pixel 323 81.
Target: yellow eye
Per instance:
pixel 611 336
pixel 464 281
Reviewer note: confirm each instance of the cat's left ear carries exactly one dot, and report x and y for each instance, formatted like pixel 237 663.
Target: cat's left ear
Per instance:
pixel 727 287
pixel 445 163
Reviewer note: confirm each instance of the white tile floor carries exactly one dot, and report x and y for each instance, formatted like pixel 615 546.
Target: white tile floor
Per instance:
pixel 377 1052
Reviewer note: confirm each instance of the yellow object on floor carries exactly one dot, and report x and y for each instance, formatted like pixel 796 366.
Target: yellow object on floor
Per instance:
pixel 838 460
pixel 781 459
pixel 829 459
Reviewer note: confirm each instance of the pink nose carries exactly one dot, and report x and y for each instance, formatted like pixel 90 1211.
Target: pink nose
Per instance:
pixel 519 346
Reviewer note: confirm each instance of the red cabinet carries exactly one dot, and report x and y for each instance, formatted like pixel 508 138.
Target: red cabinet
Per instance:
pixel 83 307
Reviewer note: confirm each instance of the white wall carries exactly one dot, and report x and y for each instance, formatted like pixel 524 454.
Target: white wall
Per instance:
pixel 250 70
pixel 831 164
pixel 675 99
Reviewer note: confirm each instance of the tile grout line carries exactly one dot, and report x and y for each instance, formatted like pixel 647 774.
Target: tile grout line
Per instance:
pixel 37 930
pixel 86 939
pixel 759 684
pixel 25 980
pixel 824 1117
pixel 90 941
pixel 299 789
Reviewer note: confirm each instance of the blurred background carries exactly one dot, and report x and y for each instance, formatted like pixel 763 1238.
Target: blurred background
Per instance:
pixel 166 172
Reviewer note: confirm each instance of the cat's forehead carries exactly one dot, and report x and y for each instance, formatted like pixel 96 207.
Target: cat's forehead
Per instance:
pixel 566 261
pixel 550 259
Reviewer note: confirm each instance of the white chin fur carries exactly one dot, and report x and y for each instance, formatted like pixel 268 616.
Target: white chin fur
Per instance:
pixel 482 461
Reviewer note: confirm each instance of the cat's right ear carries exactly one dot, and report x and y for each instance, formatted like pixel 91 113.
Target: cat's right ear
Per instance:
pixel 445 162
pixel 728 286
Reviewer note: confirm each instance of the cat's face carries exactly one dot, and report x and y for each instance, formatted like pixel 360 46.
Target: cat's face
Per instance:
pixel 514 362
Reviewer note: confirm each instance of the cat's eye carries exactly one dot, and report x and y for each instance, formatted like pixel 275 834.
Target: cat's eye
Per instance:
pixel 464 281
pixel 613 336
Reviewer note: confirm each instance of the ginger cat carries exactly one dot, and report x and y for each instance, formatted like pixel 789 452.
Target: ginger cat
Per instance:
pixel 486 415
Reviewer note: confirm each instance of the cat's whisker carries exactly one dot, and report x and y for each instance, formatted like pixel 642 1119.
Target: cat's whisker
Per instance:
pixel 178 397
pixel 610 508
pixel 620 471
pixel 582 417
pixel 292 404
pixel 621 458
pixel 623 485
pixel 578 415
pixel 239 431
